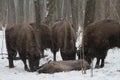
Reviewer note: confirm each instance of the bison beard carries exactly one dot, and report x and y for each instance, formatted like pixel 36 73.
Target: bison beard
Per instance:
pixel 22 39
pixel 63 37
pixel 98 38
pixel 59 66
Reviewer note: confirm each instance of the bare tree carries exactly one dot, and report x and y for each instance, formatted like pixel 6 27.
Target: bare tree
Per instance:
pixel 89 12
pixel 26 11
pixel 1 10
pixel 43 10
pixel 37 14
pixel 74 7
pixel 11 12
pixel 118 8
pixel 51 17
pixel 59 8
pixel 20 12
pixel 81 12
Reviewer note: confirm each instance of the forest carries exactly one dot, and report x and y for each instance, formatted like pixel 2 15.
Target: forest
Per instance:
pixel 79 12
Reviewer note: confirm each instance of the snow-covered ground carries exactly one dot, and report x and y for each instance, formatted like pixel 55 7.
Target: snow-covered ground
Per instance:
pixel 111 71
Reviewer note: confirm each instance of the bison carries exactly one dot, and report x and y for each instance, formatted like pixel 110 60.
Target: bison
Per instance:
pixel 45 38
pixel 98 38
pixel 63 37
pixel 22 38
pixel 59 66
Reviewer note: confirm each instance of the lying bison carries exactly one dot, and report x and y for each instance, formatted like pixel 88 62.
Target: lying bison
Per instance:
pixel 63 37
pixel 59 66
pixel 22 39
pixel 45 36
pixel 98 38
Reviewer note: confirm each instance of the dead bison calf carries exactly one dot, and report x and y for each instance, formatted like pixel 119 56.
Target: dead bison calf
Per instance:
pixel 98 38
pixel 63 37
pixel 59 66
pixel 45 38
pixel 22 39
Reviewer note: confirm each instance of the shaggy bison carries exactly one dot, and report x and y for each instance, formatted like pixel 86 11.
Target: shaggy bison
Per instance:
pixel 59 66
pixel 45 36
pixel 21 38
pixel 98 37
pixel 63 37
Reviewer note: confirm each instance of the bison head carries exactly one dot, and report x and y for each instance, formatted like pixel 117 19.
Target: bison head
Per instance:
pixel 34 60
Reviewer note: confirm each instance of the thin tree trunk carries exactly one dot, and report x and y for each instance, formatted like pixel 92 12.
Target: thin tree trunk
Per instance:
pixel 37 14
pixel 89 12
pixel 26 11
pixel 51 17
pixel 11 12
pixel 20 12
pixel 74 7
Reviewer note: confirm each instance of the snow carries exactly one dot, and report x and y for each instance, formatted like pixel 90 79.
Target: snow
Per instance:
pixel 111 71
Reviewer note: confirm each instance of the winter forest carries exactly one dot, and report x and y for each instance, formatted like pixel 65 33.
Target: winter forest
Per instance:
pixel 79 14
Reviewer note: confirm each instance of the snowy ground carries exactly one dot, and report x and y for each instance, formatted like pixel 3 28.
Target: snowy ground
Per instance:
pixel 111 71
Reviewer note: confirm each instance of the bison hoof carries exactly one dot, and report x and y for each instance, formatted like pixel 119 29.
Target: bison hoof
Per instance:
pixel 97 66
pixel 11 66
pixel 26 69
pixel 101 66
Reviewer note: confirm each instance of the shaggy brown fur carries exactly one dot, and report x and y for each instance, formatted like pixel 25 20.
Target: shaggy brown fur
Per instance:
pixel 59 66
pixel 63 37
pixel 22 39
pixel 98 38
pixel 45 36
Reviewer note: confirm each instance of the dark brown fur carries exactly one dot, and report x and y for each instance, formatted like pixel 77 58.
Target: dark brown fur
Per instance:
pixel 98 38
pixel 63 37
pixel 45 38
pixel 21 38
pixel 59 66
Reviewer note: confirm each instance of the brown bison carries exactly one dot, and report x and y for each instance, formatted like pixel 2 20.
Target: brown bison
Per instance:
pixel 45 36
pixel 21 38
pixel 59 66
pixel 63 37
pixel 98 37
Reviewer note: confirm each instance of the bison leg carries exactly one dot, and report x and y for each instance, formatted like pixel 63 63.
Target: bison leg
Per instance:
pixel 102 63
pixel 54 54
pixel 25 65
pixel 42 51
pixel 11 52
pixel 97 63
pixel 23 58
pixel 10 58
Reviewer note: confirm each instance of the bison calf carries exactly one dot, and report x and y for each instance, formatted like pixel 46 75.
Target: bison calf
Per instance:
pixel 21 38
pixel 59 66
pixel 98 38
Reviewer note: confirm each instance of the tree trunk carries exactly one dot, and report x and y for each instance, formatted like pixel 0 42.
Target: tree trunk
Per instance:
pixel 38 20
pixel 81 12
pixel 20 12
pixel 11 12
pixel 74 7
pixel 51 17
pixel 89 12
pixel 26 11
pixel 59 8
